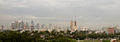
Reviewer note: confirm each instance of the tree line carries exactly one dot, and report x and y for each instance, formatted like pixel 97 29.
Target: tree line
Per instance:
pixel 53 36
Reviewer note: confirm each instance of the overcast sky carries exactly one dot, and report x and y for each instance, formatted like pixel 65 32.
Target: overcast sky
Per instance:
pixel 105 12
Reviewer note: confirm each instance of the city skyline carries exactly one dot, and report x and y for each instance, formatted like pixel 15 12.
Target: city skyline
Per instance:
pixel 59 21
pixel 88 12
pixel 73 26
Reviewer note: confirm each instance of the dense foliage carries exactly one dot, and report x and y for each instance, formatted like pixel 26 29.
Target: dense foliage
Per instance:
pixel 15 36
pixel 53 36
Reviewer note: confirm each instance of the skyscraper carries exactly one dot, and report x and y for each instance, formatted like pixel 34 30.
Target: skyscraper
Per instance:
pixel 37 26
pixel 13 25
pixel 22 25
pixel 73 26
pixel 16 25
pixel 27 25
pixel 2 27
pixel 32 25
pixel 43 26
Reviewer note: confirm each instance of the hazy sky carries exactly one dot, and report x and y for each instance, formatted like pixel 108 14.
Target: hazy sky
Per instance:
pixel 61 11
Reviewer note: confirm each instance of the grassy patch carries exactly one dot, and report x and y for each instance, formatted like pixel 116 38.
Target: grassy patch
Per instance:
pixel 90 41
pixel 106 40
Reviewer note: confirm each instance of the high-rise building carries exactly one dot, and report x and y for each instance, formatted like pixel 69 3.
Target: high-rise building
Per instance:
pixel 2 27
pixel 32 25
pixel 22 25
pixel 43 26
pixel 16 25
pixel 73 26
pixel 19 25
pixel 37 26
pixel 13 25
pixel 27 25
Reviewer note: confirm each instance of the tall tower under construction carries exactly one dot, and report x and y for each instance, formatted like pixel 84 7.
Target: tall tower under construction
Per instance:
pixel 73 25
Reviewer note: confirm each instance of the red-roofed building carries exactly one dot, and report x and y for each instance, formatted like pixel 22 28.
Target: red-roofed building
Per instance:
pixel 111 30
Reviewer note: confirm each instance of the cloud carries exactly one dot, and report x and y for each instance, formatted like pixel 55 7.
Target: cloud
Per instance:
pixel 88 11
pixel 6 17
pixel 26 17
pixel 13 4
